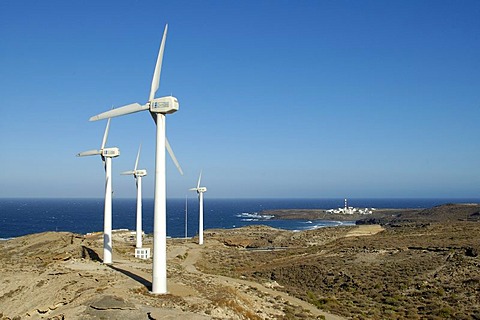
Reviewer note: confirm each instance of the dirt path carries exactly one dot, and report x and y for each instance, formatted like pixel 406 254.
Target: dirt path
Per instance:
pixel 365 230
pixel 62 276
pixel 194 254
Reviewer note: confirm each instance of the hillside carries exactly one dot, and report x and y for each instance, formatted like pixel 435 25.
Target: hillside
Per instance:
pixel 60 276
pixel 422 265
pixel 443 213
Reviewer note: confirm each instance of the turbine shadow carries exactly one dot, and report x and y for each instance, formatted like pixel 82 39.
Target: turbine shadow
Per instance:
pixel 133 276
pixel 91 254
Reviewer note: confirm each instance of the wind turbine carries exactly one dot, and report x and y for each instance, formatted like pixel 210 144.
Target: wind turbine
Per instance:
pixel 186 217
pixel 158 108
pixel 200 191
pixel 138 174
pixel 106 154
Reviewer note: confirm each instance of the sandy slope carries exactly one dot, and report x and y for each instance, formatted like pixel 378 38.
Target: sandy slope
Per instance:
pixel 60 275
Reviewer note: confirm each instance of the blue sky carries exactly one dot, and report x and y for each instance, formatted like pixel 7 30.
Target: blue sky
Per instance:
pixel 314 99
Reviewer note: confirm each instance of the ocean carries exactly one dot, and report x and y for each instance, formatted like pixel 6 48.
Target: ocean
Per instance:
pixel 26 216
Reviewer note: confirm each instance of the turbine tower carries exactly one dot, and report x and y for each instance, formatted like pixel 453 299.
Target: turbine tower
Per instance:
pixel 158 107
pixel 106 154
pixel 138 174
pixel 200 191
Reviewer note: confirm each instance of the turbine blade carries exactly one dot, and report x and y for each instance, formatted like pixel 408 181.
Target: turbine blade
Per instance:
pixel 89 153
pixel 127 172
pixel 193 189
pixel 199 179
pixel 129 108
pixel 138 156
pixel 172 155
pixel 158 67
pixel 105 135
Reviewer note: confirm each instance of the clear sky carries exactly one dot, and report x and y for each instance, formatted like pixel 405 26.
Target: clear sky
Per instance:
pixel 314 99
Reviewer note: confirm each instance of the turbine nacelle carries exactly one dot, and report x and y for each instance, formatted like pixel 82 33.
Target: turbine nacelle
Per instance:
pixel 199 189
pixel 111 152
pixel 136 173
pixel 140 173
pixel 104 152
pixel 164 105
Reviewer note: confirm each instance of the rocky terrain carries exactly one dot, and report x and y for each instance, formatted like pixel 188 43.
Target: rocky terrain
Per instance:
pixel 61 276
pixel 414 265
pixel 423 265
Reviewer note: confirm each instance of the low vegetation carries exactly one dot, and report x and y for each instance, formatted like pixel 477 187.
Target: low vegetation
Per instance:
pixel 423 267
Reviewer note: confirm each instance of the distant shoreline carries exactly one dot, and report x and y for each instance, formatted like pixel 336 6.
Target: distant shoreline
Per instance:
pixel 322 214
pixel 21 217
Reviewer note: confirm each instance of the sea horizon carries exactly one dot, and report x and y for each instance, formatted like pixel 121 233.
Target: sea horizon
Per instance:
pixel 26 215
pixel 243 198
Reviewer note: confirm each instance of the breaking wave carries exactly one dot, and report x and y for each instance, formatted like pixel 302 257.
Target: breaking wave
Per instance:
pixel 247 216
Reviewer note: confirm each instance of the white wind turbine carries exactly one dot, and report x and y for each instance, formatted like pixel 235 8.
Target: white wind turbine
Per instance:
pixel 200 191
pixel 158 108
pixel 107 154
pixel 138 174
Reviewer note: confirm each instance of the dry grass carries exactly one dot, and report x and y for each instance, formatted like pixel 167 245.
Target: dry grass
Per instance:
pixel 429 271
